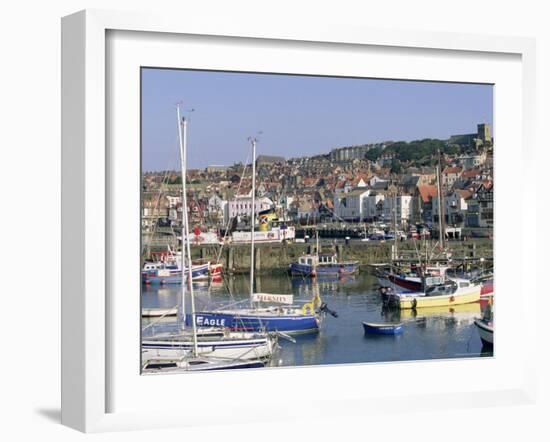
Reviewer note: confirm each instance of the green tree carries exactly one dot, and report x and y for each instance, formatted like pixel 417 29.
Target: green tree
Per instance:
pixel 373 154
pixel 396 167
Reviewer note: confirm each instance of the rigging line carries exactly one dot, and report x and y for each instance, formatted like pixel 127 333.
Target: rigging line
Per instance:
pixel 161 190
pixel 219 254
pixel 230 219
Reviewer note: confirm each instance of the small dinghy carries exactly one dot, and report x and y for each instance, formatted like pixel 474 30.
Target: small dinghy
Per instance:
pixel 385 328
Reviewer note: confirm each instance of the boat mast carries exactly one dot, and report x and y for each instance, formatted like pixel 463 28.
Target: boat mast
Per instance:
pixel 252 215
pixel 186 229
pixel 317 243
pixel 395 223
pixel 439 201
pixel 182 263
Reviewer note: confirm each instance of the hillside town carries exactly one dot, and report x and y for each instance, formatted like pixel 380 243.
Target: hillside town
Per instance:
pixel 386 182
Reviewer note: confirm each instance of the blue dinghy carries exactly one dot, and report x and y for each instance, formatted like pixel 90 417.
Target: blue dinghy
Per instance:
pixel 387 328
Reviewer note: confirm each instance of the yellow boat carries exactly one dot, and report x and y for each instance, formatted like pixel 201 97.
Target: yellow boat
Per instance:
pixel 462 311
pixel 455 292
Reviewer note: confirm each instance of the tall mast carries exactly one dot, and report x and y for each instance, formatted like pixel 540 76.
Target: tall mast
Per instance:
pixel 439 201
pixel 186 230
pixel 182 263
pixel 252 215
pixel 395 222
pixel 317 242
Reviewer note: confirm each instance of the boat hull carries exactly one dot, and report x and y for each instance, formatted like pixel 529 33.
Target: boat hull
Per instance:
pixel 291 324
pixel 261 348
pixel 163 365
pixel 487 289
pixel 198 272
pixel 382 329
pixel 297 269
pixel 405 283
pixel 485 332
pixel 411 301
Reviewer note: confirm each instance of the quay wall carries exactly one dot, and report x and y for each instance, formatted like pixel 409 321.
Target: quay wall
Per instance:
pixel 276 257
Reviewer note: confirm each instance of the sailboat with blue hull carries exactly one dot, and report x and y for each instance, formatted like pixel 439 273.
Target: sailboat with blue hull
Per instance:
pixel 271 319
pixel 207 349
pixel 282 317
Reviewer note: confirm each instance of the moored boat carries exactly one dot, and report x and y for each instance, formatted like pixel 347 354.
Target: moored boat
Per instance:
pixel 384 328
pixel 172 275
pixel 291 320
pixel 484 325
pixel 219 343
pixel 485 330
pixel 487 289
pixel 321 265
pixel 158 312
pixel 439 293
pixel 186 363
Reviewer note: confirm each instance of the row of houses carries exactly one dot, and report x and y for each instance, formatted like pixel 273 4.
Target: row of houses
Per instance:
pixel 471 207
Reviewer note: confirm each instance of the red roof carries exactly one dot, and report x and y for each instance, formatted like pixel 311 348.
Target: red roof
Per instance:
pixel 449 170
pixel 471 173
pixel 427 191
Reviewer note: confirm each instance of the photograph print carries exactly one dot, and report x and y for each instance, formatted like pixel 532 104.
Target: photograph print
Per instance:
pixel 299 220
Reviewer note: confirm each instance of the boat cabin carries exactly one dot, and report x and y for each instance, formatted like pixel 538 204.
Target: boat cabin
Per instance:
pixel 447 287
pixel 312 260
pixel 443 289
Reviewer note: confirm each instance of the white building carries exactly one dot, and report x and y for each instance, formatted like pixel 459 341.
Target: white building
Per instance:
pixel 455 207
pixel 471 161
pixel 242 206
pixel 349 206
pixel 398 207
pixel 372 206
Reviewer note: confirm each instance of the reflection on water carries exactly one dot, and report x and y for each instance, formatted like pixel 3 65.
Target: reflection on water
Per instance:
pixel 430 333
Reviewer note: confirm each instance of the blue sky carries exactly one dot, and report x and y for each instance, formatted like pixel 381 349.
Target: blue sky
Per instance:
pixel 298 115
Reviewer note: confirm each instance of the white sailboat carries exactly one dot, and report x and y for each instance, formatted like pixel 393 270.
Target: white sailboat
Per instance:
pixel 212 349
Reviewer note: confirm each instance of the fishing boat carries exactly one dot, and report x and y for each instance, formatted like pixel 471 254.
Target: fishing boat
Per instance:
pixel 159 273
pixel 384 328
pixel 322 265
pixel 461 312
pixel 409 280
pixel 267 311
pixel 412 282
pixel 438 293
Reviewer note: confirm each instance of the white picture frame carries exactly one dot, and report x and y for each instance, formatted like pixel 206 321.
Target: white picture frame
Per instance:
pixel 89 172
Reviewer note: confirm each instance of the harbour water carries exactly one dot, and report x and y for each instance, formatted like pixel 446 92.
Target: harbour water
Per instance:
pixel 434 333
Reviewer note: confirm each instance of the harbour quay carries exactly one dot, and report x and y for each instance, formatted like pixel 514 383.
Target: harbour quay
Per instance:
pixel 277 257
